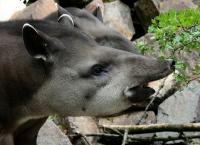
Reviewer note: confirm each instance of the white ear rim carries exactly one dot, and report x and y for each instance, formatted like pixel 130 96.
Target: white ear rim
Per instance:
pixel 36 56
pixel 29 25
pixel 40 57
pixel 68 16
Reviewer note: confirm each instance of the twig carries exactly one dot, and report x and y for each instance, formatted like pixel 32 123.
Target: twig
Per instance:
pixel 125 137
pixel 85 139
pixel 145 139
pixel 155 128
pixel 193 78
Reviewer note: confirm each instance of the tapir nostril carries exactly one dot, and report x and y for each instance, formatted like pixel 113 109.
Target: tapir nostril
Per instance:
pixel 171 63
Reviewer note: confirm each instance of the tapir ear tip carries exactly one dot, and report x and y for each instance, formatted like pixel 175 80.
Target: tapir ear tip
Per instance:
pixel 27 25
pixel 66 16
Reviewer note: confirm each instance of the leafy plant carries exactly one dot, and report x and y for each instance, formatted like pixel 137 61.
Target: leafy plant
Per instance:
pixel 176 33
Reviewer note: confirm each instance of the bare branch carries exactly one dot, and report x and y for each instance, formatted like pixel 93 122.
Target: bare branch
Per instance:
pixel 145 139
pixel 155 128
pixel 125 137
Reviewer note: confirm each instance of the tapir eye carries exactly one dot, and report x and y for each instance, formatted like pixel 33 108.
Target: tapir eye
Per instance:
pixel 98 70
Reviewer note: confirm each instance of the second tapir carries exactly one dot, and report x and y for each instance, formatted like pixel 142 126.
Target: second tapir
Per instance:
pixel 56 69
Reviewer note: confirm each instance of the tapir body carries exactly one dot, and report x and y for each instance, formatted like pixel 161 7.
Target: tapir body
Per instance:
pixel 49 68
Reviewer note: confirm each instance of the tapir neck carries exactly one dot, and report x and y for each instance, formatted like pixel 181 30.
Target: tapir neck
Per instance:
pixel 20 77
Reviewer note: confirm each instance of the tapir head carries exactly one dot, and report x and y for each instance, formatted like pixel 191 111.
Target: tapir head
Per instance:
pixel 91 24
pixel 86 78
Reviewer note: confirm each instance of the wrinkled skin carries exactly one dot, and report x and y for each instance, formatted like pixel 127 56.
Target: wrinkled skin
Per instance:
pixel 58 69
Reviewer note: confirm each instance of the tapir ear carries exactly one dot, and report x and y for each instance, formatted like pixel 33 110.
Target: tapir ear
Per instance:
pixel 35 42
pixel 97 13
pixel 67 20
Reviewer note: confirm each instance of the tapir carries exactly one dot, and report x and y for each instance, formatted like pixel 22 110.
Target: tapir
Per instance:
pixel 51 68
pixel 89 23
pixel 93 25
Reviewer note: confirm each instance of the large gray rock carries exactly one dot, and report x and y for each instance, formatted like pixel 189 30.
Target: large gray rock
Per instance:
pixel 182 107
pixel 117 15
pixel 50 134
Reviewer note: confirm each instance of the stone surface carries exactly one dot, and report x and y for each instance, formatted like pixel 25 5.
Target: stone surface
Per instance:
pixel 166 5
pixel 117 15
pixel 128 119
pixel 131 119
pixel 50 134
pixel 163 86
pixel 38 10
pixel 83 125
pixel 9 7
pixel 146 10
pixel 182 107
pixel 197 2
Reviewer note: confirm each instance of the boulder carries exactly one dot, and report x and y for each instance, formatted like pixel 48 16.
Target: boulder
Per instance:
pixel 50 134
pixel 146 10
pixel 117 15
pixel 83 125
pixel 182 107
pixel 37 10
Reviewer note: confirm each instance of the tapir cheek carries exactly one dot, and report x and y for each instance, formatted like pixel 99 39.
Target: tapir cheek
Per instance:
pixel 106 102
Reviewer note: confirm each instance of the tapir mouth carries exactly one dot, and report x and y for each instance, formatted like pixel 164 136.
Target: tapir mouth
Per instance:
pixel 138 93
pixel 141 92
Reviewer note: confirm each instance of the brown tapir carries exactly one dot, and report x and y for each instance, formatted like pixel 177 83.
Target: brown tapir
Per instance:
pixel 49 68
pixel 82 19
pixel 92 24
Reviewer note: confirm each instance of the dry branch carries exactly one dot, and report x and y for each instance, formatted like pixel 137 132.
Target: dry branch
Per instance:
pixel 155 128
pixel 144 139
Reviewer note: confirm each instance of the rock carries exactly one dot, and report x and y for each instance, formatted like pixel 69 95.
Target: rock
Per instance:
pixel 128 119
pixel 164 86
pixel 9 7
pixel 146 10
pixel 131 119
pixel 182 107
pixel 83 125
pixel 197 2
pixel 37 10
pixel 166 5
pixel 50 134
pixel 117 15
